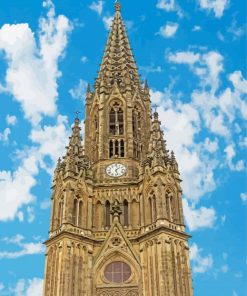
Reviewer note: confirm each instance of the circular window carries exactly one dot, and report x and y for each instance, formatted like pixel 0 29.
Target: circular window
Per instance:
pixel 117 272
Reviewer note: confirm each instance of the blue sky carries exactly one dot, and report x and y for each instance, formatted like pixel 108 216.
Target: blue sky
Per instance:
pixel 193 54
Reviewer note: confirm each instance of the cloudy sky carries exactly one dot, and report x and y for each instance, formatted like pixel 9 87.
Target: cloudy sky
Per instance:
pixel 193 54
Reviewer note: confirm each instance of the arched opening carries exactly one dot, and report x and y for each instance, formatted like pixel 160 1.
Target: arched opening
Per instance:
pixel 60 214
pixel 107 214
pixel 80 216
pixel 74 213
pixel 136 127
pixel 135 213
pixel 154 209
pixel 98 217
pixel 150 211
pixel 116 120
pixel 126 213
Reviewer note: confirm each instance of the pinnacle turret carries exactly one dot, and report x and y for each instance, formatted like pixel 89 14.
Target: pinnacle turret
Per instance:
pixel 74 159
pixel 157 145
pixel 118 64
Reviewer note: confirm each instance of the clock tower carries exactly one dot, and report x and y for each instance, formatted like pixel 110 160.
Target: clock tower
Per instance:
pixel 117 226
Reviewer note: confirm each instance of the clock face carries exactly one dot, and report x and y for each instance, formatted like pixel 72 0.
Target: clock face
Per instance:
pixel 116 170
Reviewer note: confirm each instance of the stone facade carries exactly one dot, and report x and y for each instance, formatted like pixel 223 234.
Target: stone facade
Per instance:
pixel 117 225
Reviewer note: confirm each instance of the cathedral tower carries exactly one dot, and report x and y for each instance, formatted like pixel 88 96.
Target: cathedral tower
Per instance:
pixel 117 226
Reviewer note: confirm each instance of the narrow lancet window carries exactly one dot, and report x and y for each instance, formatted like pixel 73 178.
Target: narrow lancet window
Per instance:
pixel 126 213
pixel 107 214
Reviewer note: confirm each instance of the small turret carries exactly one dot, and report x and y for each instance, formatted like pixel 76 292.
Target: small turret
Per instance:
pixel 75 160
pixel 157 146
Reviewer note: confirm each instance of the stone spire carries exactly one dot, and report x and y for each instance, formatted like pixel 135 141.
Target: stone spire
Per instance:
pixel 74 159
pixel 118 65
pixel 157 152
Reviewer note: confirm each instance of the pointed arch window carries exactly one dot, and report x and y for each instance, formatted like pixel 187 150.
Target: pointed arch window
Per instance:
pixel 126 212
pixel 116 148
pixel 74 215
pixel 136 126
pixel 116 120
pixel 60 214
pixel 107 214
pixel 80 215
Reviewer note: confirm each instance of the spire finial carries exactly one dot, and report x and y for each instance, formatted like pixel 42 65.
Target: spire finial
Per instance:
pixel 117 6
pixel 77 114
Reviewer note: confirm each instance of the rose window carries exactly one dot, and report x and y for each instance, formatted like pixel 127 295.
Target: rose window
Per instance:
pixel 117 272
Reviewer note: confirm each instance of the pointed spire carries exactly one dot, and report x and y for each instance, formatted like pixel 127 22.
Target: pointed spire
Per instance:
pixel 117 6
pixel 118 64
pixel 174 163
pixel 146 87
pixel 88 88
pixel 157 146
pixel 75 159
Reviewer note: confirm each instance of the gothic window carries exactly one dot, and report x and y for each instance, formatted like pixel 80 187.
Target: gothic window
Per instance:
pixel 154 209
pixel 150 210
pixel 116 120
pixel 126 213
pixel 95 123
pixel 98 219
pixel 60 214
pixel 80 216
pixel 117 272
pixel 116 148
pixel 136 122
pixel 111 150
pixel 122 148
pixel 170 206
pixel 74 215
pixel 107 214
pixel 136 126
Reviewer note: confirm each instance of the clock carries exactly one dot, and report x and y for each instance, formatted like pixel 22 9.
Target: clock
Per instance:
pixel 116 170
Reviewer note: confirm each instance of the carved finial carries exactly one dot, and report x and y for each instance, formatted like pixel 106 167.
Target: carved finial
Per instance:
pixel 77 116
pixel 117 6
pixel 116 211
pixel 146 84
pixel 88 88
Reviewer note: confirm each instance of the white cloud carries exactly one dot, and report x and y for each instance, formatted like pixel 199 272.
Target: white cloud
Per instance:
pixel 169 6
pixel 16 187
pixel 79 91
pixel 235 30
pixel 230 155
pixel 31 287
pixel 11 119
pixel 31 216
pixel 243 196
pixel 198 218
pixel 4 136
pixel 169 30
pixel 217 6
pixel 196 28
pixel 32 72
pixel 238 81
pixel 84 59
pixel 1 286
pixel 184 57
pixel 200 264
pixel 25 248
pixel 211 146
pixel 150 68
pixel 97 7
pixel 107 20
pixel 45 204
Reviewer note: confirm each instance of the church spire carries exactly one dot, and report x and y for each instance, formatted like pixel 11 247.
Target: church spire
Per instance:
pixel 118 65
pixel 157 145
